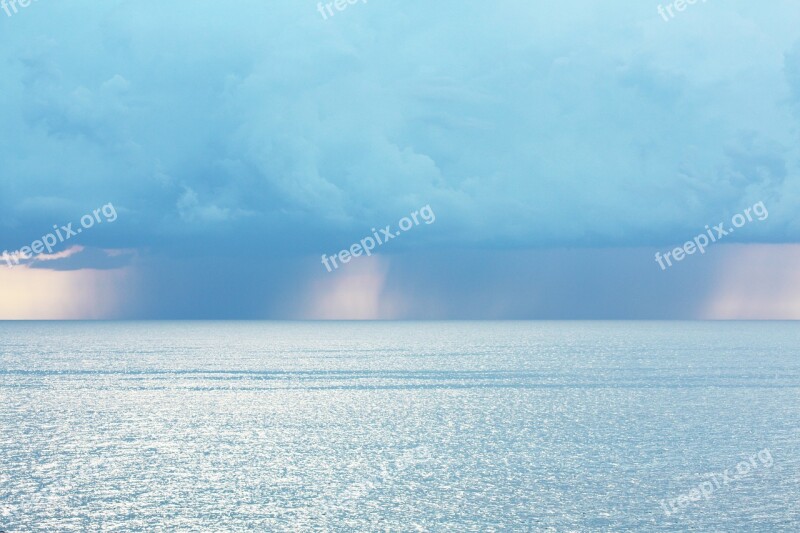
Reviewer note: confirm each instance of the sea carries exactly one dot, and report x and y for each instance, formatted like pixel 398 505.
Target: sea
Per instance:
pixel 400 426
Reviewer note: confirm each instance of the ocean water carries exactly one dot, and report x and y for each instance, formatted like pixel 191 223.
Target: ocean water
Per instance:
pixel 410 426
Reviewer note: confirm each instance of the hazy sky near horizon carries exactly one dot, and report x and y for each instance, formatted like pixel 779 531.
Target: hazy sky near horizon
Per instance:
pixel 559 145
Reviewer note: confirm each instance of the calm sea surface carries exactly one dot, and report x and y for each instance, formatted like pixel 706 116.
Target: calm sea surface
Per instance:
pixel 411 426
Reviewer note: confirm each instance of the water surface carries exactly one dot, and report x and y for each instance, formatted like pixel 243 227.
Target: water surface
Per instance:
pixel 410 426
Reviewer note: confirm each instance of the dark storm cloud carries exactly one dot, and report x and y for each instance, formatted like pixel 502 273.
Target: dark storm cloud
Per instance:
pixel 262 133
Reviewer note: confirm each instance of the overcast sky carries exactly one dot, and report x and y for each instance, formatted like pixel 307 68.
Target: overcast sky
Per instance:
pixel 560 145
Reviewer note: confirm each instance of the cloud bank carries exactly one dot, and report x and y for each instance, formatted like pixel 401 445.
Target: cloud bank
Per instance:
pixel 258 135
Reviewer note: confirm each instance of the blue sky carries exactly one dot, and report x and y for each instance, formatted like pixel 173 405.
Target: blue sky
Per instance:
pixel 560 145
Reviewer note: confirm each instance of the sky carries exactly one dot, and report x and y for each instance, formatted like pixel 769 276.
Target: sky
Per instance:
pixel 218 152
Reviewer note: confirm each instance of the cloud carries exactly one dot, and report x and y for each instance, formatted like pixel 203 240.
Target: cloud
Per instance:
pixel 261 132
pixel 576 134
pixel 80 258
